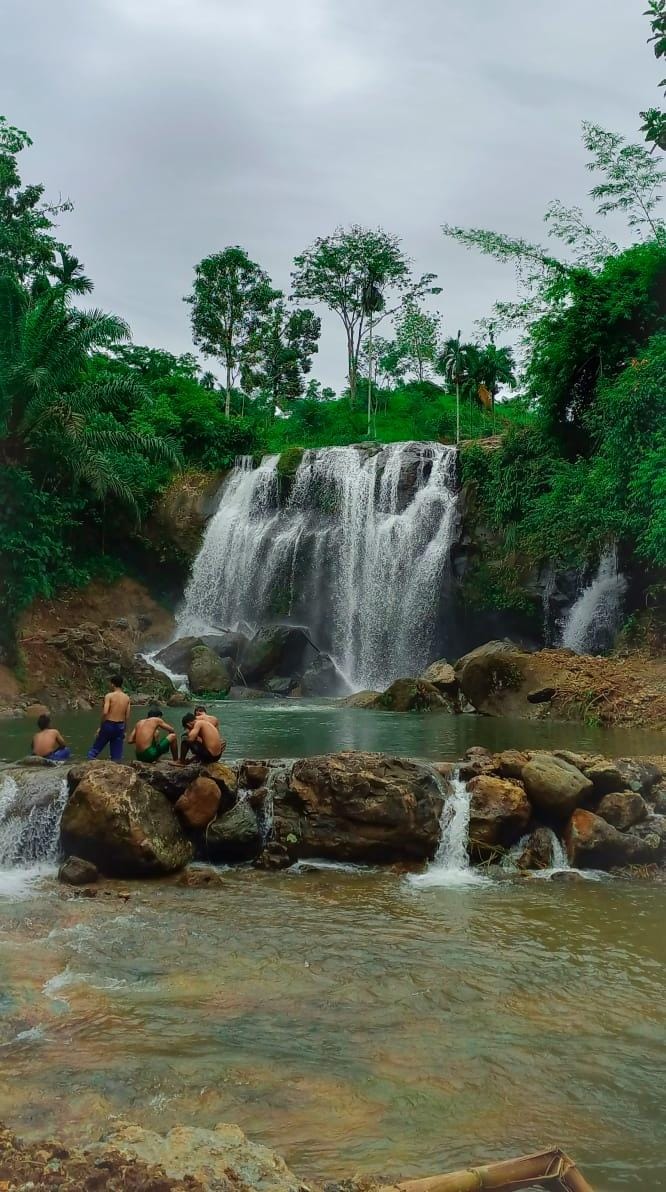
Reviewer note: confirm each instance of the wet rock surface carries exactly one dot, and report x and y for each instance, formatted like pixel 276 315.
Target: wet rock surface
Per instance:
pixel 499 812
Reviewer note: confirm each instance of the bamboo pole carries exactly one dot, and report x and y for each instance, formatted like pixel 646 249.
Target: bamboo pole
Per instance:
pixel 548 1169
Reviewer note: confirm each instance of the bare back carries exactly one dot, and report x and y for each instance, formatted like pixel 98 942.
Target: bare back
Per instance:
pixel 46 742
pixel 210 737
pixel 116 706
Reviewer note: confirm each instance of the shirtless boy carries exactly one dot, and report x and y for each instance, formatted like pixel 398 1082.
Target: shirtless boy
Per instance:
pixel 202 739
pixel 200 713
pixel 115 714
pixel 147 740
pixel 48 742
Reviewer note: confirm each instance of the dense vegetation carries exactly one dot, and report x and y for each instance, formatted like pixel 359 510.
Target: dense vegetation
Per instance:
pixel 93 427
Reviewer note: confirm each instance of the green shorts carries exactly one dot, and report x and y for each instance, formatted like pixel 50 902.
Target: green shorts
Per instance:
pixel 154 751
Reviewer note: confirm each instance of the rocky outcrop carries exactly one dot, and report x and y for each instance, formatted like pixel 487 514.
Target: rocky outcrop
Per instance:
pixel 125 827
pixel 358 807
pixel 442 676
pixel 554 786
pixel 499 813
pixel 323 678
pixel 414 695
pixel 623 809
pixel 362 699
pixel 538 851
pixel 234 836
pixel 277 651
pixel 501 679
pixel 180 516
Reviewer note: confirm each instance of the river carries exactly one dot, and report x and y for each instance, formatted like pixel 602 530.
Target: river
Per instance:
pixel 299 728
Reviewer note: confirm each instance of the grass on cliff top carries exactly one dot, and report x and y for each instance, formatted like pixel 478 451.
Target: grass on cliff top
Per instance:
pixel 419 411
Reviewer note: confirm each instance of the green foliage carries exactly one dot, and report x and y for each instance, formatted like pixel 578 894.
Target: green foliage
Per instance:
pixel 654 119
pixel 289 462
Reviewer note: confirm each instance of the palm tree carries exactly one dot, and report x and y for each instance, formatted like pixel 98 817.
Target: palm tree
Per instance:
pixel 454 363
pixel 496 368
pixel 50 419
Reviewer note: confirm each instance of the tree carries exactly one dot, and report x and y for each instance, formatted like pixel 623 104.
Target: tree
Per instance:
pixel 496 367
pixel 456 364
pixel 337 271
pixel 417 338
pixel 27 245
pixel 654 119
pixel 230 297
pixel 281 353
pixel 632 179
pixel 50 419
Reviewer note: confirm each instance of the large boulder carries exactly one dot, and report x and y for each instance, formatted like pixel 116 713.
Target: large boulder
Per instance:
pixel 605 776
pixel 207 672
pixel 414 695
pixel 277 651
pixel 554 786
pixel 222 1158
pixel 177 656
pixel 623 809
pixel 234 836
pixel 358 807
pixel 500 679
pixel 228 643
pixel 442 676
pixel 510 763
pixel 167 777
pixel 77 872
pixel 499 812
pixel 323 678
pixel 362 699
pixel 639 775
pixel 592 843
pixel 125 827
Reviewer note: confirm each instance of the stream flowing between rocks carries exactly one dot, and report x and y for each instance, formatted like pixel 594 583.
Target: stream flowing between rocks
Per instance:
pixel 351 1019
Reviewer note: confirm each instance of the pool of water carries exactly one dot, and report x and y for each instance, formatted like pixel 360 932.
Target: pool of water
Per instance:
pixel 298 728
pixel 350 1020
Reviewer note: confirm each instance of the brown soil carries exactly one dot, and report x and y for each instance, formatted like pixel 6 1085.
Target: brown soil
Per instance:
pixel 69 646
pixel 628 691
pixel 51 1165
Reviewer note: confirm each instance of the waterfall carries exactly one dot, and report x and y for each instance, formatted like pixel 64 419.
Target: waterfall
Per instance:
pixel 595 617
pixel 30 812
pixel 359 553
pixel 451 864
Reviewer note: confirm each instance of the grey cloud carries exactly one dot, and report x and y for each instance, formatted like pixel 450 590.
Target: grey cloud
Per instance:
pixel 179 126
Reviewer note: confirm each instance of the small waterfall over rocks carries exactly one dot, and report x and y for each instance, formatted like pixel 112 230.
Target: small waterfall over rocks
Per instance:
pixel 451 865
pixel 31 806
pixel 359 552
pixel 595 617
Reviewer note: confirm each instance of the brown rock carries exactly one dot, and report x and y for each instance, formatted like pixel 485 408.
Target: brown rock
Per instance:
pixel 252 775
pixel 592 843
pixel 478 760
pixel 178 699
pixel 168 778
pixel 234 836
pixel 34 711
pixel 623 809
pixel 225 777
pixel 358 807
pixel 499 812
pixel 273 856
pixel 498 677
pixel 362 699
pixel 553 785
pixel 200 877
pixel 414 695
pixel 442 676
pixel 638 775
pixel 200 803
pixel 538 851
pixel 510 763
pixel 605 777
pixel 77 872
pixel 125 827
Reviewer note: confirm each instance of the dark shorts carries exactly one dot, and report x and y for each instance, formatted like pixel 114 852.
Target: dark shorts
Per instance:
pixel 59 755
pixel 201 753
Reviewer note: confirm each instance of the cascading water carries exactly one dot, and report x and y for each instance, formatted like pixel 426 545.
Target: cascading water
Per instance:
pixel 30 812
pixel 451 864
pixel 595 617
pixel 359 553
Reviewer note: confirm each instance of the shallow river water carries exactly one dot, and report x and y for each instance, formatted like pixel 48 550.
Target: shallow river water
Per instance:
pixel 350 1019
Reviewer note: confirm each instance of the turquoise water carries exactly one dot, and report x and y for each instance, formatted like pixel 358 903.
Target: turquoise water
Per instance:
pixel 298 728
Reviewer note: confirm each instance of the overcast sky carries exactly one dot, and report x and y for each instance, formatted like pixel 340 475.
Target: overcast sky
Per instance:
pixel 178 127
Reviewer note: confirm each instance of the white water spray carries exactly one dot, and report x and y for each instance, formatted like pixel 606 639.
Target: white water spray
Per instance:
pixel 595 617
pixel 359 554
pixel 30 816
pixel 451 865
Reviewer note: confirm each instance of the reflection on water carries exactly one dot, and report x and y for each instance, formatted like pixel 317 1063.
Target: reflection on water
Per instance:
pixel 348 1019
pixel 300 728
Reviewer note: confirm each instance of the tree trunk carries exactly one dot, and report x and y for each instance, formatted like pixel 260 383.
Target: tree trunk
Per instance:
pixel 351 375
pixel 457 411
pixel 370 378
pixel 227 399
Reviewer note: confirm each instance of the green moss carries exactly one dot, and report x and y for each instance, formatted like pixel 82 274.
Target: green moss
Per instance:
pixel 289 462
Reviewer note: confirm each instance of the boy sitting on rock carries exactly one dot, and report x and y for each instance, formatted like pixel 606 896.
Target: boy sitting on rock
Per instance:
pixel 147 740
pixel 49 743
pixel 202 739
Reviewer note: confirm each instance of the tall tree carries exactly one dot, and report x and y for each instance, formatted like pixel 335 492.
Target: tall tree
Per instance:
pixel 283 346
pixel 654 119
pixel 417 338
pixel 455 363
pixel 230 297
pixel 336 271
pixel 27 245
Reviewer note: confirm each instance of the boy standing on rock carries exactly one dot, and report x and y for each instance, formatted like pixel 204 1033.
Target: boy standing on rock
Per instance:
pixel 145 736
pixel 115 714
pixel 49 743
